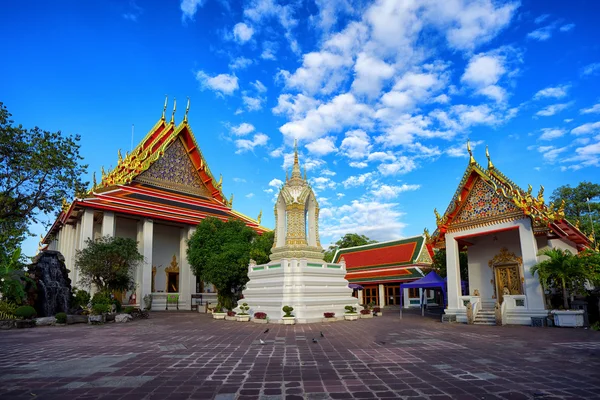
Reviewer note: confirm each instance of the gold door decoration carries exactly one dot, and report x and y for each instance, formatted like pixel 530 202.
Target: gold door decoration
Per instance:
pixel 173 268
pixel 506 267
pixel 153 278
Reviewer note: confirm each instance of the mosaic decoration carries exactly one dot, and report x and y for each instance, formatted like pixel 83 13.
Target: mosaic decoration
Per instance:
pixel 424 257
pixel 483 203
pixel 175 170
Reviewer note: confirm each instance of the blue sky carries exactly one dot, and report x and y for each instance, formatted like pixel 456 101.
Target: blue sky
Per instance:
pixel 382 96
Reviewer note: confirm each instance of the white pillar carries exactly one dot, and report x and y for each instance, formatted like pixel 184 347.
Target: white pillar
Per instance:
pixel 421 297
pixel 192 281
pixel 406 299
pixel 532 286
pixel 382 299
pixel 147 235
pixel 453 273
pixel 108 223
pixel 185 296
pixel 86 232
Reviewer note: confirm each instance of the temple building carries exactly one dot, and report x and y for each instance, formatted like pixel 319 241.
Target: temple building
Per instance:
pixel 156 195
pixel 380 268
pixel 502 227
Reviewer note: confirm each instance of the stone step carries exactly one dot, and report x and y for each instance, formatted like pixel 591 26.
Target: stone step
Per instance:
pixel 484 323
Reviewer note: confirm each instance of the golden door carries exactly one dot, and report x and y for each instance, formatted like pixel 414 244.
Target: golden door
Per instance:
pixel 507 276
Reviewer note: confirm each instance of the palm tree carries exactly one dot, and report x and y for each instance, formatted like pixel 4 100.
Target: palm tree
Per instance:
pixel 561 269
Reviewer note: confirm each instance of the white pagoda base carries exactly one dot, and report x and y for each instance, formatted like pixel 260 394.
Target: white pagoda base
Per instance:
pixel 312 287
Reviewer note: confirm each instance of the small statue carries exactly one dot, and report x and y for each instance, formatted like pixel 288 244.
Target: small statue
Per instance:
pixel 498 314
pixel 505 291
pixel 476 293
pixel 469 313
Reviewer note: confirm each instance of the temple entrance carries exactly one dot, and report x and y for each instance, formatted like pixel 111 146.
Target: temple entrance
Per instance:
pixel 392 295
pixel 507 279
pixel 172 272
pixel 370 294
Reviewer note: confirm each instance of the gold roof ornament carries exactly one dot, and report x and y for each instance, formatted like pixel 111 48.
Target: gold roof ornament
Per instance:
pixel 220 183
pixel 231 200
pixel 426 233
pixel 120 157
pixel 174 109
pixel 487 154
pixel 529 190
pixel 187 110
pixel 438 217
pixel 296 168
pixel 577 224
pixel 165 108
pixel 94 183
pixel 591 237
pixel 471 159
pixel 259 218
pixel 540 196
pixel 65 205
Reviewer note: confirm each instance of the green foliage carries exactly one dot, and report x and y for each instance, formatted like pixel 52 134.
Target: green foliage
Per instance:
pixel 244 307
pixel 577 206
pixel 439 264
pixel 25 312
pixel 595 326
pixel 128 310
pixel 350 310
pixel 563 271
pixel 349 240
pixel 81 298
pixel 101 298
pixel 99 309
pixel 288 311
pixel 109 263
pixel 13 278
pixel 261 247
pixel 117 304
pixel 219 253
pixel 7 310
pixel 37 170
pixel 61 318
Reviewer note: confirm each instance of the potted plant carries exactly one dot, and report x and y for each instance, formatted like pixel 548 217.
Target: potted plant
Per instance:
pixel 288 318
pixel 98 313
pixel 329 317
pixel 230 316
pixel 218 312
pixel 260 318
pixel 366 313
pixel 377 311
pixel 244 316
pixel 25 315
pixel 350 314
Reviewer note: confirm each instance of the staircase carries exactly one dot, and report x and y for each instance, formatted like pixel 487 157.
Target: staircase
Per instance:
pixel 486 314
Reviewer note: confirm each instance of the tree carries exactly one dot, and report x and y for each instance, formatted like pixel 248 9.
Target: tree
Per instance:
pixel 348 240
pixel 37 170
pixel 261 247
pixel 576 204
pixel 439 264
pixel 564 271
pixel 109 263
pixel 13 279
pixel 219 253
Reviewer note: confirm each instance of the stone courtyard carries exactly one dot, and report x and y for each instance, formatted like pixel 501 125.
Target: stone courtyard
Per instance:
pixel 191 356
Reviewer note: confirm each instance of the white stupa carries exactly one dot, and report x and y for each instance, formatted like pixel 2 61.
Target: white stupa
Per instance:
pixel 297 275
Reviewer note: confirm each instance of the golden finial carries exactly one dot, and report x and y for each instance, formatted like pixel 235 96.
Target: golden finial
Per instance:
pixel 438 218
pixel 540 196
pixel 259 218
pixel 471 159
pixel 174 109
pixel 187 110
pixel 577 223
pixel 591 237
pixel 426 233
pixel 94 183
pixel 120 157
pixel 103 172
pixel 220 183
pixel 560 213
pixel 487 154
pixel 231 200
pixel 529 189
pixel 65 205
pixel 295 151
pixel 165 107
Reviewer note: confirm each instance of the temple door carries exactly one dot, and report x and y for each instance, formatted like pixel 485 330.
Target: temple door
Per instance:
pixel 507 276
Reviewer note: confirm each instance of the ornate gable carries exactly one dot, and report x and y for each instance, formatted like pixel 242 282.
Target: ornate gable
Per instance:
pixel 175 170
pixel 424 257
pixel 483 205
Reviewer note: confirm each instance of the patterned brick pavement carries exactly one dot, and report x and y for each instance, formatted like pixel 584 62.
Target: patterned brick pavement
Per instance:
pixel 190 356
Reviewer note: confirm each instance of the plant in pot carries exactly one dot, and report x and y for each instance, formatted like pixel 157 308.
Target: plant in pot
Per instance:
pixel 244 316
pixel 260 318
pixel 350 314
pixel 98 313
pixel 366 313
pixel 377 311
pixel 329 317
pixel 288 318
pixel 230 316
pixel 25 315
pixel 218 312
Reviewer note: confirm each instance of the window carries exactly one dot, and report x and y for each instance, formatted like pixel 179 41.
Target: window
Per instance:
pixel 413 293
pixel 371 294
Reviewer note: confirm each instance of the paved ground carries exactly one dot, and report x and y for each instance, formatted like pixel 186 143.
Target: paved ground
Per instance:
pixel 189 355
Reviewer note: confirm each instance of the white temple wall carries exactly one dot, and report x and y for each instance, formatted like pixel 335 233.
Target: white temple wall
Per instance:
pixel 165 245
pixel 483 250
pixel 280 230
pixel 563 244
pixel 126 228
pixel 97 229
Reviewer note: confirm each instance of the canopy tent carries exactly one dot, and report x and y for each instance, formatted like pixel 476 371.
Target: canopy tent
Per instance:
pixel 431 280
pixel 355 286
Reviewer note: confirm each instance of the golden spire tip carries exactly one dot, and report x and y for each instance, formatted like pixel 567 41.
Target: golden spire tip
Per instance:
pixel 187 110
pixel 487 154
pixel 165 107
pixel 174 109
pixel 471 159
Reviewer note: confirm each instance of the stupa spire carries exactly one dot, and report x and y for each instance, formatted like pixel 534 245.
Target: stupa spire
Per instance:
pixel 296 173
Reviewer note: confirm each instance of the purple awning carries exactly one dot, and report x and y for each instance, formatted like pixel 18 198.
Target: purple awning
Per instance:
pixel 355 286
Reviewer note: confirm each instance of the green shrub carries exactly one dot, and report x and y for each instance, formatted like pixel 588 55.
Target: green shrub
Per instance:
pixel 129 309
pixel 61 318
pixel 244 307
pixel 25 312
pixel 7 310
pixel 81 298
pixel 288 311
pixel 99 309
pixel 117 303
pixel 596 326
pixel 350 310
pixel 101 298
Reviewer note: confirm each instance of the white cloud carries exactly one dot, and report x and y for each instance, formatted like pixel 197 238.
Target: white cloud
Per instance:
pixel 260 11
pixel 222 83
pixel 370 74
pixel 590 69
pixel 252 103
pixel 269 50
pixel 553 109
pixel 250 195
pixel 567 27
pixel 356 144
pixel 556 92
pixel 244 145
pixel 329 10
pixel 541 18
pixel 295 106
pixel 585 129
pixel 595 109
pixel 322 183
pixel 358 180
pixel 268 191
pixel 242 129
pixel 240 63
pixel 189 8
pixel 483 73
pixel 381 156
pixel 322 146
pixel 460 150
pixel 402 165
pixel 276 183
pixel 242 32
pixel 239 180
pixel 552 133
pixel 387 192
pixel 258 85
pixel 541 34
pixel 339 195
pixel 327 172
pixel 551 153
pixel 567 120
pixel 359 165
